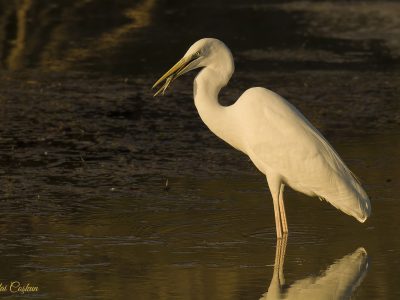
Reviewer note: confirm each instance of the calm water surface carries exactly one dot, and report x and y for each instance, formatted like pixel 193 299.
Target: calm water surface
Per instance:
pixel 86 151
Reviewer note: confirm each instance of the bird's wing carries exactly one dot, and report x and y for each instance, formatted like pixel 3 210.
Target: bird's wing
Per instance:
pixel 280 139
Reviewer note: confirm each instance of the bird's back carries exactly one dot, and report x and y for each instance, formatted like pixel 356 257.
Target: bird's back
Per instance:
pixel 280 140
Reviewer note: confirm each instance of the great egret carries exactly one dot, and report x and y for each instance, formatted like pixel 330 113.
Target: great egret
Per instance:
pixel 279 140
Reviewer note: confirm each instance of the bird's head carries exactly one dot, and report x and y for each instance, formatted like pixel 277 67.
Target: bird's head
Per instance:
pixel 200 54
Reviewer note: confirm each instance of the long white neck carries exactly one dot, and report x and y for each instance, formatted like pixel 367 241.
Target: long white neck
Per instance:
pixel 207 85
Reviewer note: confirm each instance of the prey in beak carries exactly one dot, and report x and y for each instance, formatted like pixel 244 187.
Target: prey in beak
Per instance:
pixel 181 67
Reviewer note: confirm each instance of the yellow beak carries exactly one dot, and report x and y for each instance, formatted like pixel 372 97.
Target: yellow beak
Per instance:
pixel 171 75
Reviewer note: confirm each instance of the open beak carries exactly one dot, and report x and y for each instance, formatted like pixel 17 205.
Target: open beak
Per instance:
pixel 181 67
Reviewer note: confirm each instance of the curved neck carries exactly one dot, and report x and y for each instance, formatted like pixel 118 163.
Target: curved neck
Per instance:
pixel 206 88
pixel 218 69
pixel 219 119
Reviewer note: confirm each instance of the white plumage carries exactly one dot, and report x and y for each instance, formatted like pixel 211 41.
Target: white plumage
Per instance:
pixel 279 140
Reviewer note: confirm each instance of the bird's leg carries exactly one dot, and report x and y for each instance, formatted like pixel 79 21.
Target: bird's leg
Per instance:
pixel 280 259
pixel 274 187
pixel 282 252
pixel 277 218
pixel 282 210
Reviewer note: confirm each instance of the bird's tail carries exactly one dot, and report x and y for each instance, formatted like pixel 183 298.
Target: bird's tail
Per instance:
pixel 352 200
pixel 364 203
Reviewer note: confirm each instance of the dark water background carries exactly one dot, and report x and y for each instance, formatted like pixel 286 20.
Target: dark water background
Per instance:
pixel 85 150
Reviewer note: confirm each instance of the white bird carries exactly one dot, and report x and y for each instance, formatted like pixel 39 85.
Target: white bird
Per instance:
pixel 279 140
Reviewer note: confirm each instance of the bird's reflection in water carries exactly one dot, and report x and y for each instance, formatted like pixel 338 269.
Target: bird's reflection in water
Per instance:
pixel 338 282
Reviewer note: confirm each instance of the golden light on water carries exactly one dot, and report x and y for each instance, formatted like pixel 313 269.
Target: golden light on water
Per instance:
pixel 51 39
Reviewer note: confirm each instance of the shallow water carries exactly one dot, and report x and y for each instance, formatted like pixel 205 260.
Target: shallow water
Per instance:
pixel 86 151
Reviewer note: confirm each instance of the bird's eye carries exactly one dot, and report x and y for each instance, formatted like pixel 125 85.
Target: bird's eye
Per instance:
pixel 198 54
